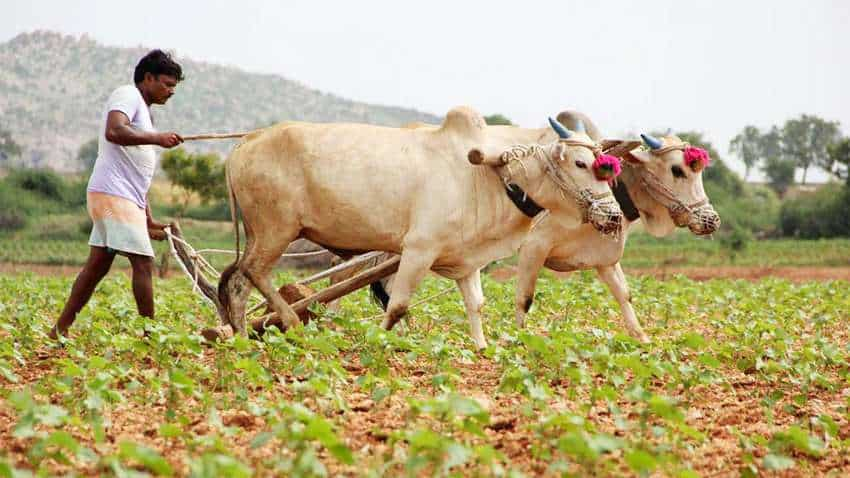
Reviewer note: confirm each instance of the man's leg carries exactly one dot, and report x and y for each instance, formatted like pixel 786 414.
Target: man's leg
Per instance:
pixel 96 267
pixel 143 283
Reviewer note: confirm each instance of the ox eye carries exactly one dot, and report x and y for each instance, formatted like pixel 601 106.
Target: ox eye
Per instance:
pixel 677 171
pixel 581 164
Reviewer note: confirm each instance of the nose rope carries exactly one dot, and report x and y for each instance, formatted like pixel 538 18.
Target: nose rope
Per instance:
pixel 659 191
pixel 567 186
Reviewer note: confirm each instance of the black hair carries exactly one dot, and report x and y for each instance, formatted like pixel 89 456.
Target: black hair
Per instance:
pixel 157 62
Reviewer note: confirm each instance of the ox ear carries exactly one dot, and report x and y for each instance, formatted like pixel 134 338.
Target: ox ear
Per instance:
pixel 478 157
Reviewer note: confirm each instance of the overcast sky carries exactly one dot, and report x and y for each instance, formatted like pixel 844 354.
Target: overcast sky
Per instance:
pixel 712 66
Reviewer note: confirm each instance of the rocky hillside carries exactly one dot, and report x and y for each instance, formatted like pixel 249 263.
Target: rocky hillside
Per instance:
pixel 53 87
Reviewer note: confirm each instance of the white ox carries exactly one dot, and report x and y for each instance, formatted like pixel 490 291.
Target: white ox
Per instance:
pixel 353 187
pixel 656 185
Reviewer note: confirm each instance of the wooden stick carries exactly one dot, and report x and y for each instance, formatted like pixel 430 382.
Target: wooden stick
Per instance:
pixel 356 261
pixel 619 148
pixel 335 291
pixel 193 137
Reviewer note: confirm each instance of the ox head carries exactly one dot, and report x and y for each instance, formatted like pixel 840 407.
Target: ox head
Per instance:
pixel 669 190
pixel 569 175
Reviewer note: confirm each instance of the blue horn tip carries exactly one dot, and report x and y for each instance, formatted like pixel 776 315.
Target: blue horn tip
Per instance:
pixel 650 141
pixel 563 133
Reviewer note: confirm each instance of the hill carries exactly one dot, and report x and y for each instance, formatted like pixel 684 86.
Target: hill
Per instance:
pixel 53 87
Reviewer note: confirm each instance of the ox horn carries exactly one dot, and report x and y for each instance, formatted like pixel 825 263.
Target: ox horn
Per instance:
pixel 579 126
pixel 563 133
pixel 652 142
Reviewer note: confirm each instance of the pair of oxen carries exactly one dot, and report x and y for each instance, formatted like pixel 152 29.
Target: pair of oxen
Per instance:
pixel 453 198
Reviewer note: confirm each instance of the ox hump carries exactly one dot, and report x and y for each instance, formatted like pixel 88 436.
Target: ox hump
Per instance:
pixel 464 121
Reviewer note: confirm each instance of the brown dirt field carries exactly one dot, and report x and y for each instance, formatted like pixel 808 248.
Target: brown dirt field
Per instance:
pixel 753 273
pixel 721 411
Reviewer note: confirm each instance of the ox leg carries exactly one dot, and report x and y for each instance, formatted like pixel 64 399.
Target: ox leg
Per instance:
pixel 531 260
pixel 473 299
pixel 412 268
pixel 233 293
pixel 615 279
pixel 257 266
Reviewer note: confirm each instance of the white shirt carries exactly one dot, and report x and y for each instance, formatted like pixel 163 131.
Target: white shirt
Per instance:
pixel 125 171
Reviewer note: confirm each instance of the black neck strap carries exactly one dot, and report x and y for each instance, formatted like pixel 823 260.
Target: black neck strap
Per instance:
pixel 621 194
pixel 522 200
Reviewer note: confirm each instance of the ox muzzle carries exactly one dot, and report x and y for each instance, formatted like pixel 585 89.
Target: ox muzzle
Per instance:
pixel 602 212
pixel 701 220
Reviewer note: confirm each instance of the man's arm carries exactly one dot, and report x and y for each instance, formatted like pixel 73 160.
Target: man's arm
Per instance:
pixel 155 229
pixel 119 131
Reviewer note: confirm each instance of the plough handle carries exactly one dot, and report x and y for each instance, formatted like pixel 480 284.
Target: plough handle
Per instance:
pixel 384 269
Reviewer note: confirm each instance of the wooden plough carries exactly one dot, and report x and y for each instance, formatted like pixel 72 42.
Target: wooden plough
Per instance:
pixel 298 294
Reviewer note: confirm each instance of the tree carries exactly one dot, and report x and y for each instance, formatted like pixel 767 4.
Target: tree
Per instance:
pixel 778 168
pixel 805 140
pixel 747 145
pixel 497 119
pixel 839 155
pixel 196 174
pixel 8 147
pixel 771 143
pixel 780 173
pixel 87 154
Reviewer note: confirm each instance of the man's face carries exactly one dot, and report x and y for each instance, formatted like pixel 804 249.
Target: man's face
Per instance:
pixel 160 87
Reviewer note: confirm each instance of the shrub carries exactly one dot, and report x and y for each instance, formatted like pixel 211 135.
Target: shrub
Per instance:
pixel 46 183
pixel 61 227
pixel 754 208
pixel 12 220
pixel 823 213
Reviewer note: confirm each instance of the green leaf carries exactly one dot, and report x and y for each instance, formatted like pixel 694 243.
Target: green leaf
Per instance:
pixel 777 462
pixel 640 461
pixel 261 439
pixel 456 455
pixel 693 341
pixel 147 457
pixel 170 430
pixel 380 393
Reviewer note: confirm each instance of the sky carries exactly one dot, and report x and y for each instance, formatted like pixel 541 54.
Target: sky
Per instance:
pixel 632 66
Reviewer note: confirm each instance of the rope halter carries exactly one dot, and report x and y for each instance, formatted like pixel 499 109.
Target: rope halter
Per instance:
pixel 699 216
pixel 599 209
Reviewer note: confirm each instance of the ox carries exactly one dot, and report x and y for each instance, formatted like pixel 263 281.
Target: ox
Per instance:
pixel 660 184
pixel 353 188
pixel 656 185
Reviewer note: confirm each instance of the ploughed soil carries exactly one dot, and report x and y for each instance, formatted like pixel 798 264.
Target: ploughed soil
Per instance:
pixel 723 412
pixel 792 273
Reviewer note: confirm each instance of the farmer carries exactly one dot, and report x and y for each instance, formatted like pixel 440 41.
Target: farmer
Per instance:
pixel 118 187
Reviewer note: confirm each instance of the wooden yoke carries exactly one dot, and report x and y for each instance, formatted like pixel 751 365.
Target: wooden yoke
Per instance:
pixel 618 147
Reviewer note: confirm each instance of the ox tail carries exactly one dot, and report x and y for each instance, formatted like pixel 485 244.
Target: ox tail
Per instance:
pixel 233 206
pixel 227 274
pixel 379 293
